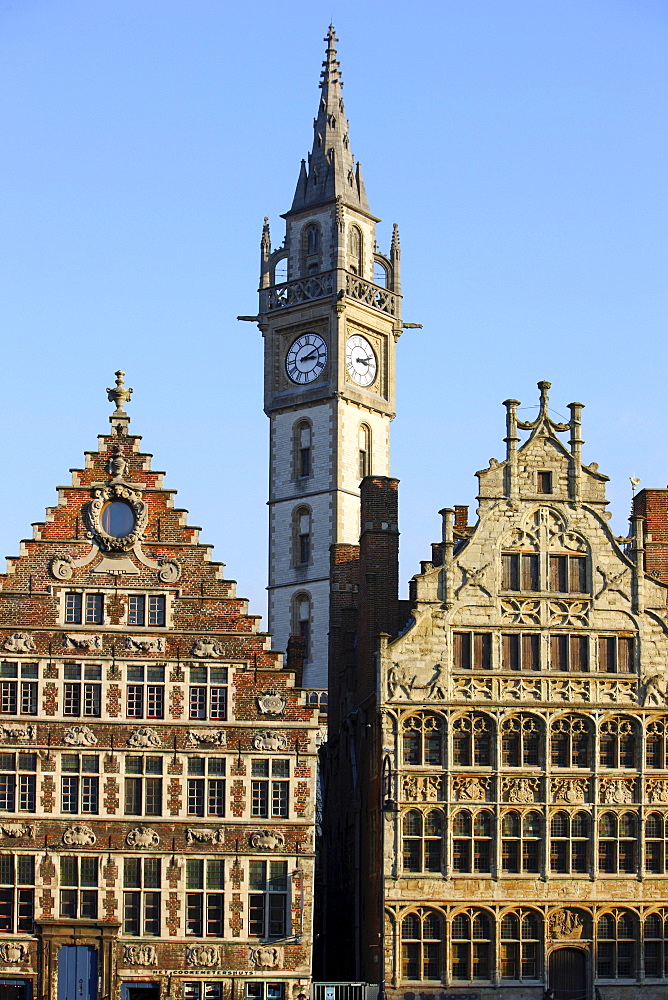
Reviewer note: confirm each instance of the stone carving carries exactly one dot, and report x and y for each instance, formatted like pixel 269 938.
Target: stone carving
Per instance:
pixel 142 836
pixel 474 688
pixel 169 571
pixel 423 787
pixel 140 954
pixel 79 836
pixel 146 644
pixel 521 790
pixel 61 567
pixel 612 581
pixel 269 741
pixel 205 738
pixel 474 578
pixel 207 647
pixel 15 953
pixel 204 956
pixel 518 537
pixel 569 690
pixel 267 840
pixel 80 736
pixel 145 737
pixel 520 612
pixel 15 830
pixel 570 790
pixel 19 642
pixel 117 465
pixel 656 790
pixel 574 613
pixel 567 924
pixel 204 835
pixel 399 681
pixel 437 683
pixel 12 731
pixel 105 494
pixel 272 703
pixel 616 791
pixel 470 789
pixel 85 643
pixel 520 689
pixel 265 957
pixel 655 690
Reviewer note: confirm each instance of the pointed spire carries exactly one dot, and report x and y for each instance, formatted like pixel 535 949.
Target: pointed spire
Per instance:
pixel 331 166
pixel 265 243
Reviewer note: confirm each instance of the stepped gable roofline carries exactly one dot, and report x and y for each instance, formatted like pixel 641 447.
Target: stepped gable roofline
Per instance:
pixel 331 171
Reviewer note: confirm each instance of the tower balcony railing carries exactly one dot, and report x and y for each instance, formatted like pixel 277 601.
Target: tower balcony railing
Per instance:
pixel 318 286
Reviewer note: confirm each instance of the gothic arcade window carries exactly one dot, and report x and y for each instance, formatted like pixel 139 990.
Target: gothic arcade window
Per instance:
pixel 472 945
pixel 656 842
pixel 617 743
pixel 423 740
pixel 521 937
pixel 656 744
pixel 570 840
pixel 616 951
pixel 521 738
pixel 301 523
pixel 422 946
pixel 570 742
pixel 302 450
pixel 472 841
pixel 656 945
pixel 364 451
pixel 521 842
pixel 355 250
pixel 423 840
pixel 472 738
pixel 617 843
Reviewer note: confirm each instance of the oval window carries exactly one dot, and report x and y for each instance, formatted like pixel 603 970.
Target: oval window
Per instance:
pixel 117 519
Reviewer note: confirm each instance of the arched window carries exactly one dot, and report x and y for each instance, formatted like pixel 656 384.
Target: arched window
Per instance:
pixel 521 936
pixel 616 950
pixel 617 843
pixel 656 744
pixel 302 449
pixel 521 841
pixel 302 536
pixel 280 270
pixel 311 249
pixel 422 945
pixel 423 740
pixel 570 742
pixel 656 842
pixel 656 945
pixel 472 945
pixel 570 838
pixel 355 250
pixel 301 620
pixel 617 744
pixel 521 741
pixel 364 451
pixel 472 741
pixel 423 840
pixel 472 841
pixel 380 274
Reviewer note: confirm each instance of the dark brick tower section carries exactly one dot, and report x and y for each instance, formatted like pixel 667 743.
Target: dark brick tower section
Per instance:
pixel 652 505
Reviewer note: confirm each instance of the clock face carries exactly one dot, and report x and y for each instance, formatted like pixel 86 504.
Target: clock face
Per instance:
pixel 361 360
pixel 306 358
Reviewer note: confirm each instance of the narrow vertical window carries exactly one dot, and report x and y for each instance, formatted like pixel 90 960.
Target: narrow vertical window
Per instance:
pixel 303 455
pixel 544 482
pixel 364 451
pixel 355 250
pixel 302 524
pixel 302 621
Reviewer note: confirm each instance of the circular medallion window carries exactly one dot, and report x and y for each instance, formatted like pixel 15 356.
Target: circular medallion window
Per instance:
pixel 117 519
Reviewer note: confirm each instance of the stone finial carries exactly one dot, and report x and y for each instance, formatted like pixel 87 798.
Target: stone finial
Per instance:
pixel 266 236
pixel 119 395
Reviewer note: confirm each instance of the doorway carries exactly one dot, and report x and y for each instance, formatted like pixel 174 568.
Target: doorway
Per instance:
pixel 77 972
pixel 568 974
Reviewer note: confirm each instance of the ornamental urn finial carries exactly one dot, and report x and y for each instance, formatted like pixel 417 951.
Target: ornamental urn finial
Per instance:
pixel 119 395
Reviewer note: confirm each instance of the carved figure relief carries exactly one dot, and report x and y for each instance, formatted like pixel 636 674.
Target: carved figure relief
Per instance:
pixel 85 643
pixel 14 953
pixel 79 836
pixel 269 741
pixel 142 836
pixel 145 737
pixel 146 644
pixel 267 840
pixel 272 703
pixel 207 647
pixel 399 681
pixel 521 790
pixel 265 957
pixel 61 567
pixel 423 787
pixel 140 954
pixel 206 738
pixel 80 736
pixel 203 956
pixel 437 683
pixel 19 642
pixel 466 788
pixel 204 835
pixel 104 495
pixel 15 830
pixel 616 791
pixel 15 732
pixel 570 790
pixel 655 690
pixel 567 924
pixel 656 790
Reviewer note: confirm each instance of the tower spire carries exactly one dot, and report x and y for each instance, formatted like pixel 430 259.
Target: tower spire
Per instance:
pixel 332 170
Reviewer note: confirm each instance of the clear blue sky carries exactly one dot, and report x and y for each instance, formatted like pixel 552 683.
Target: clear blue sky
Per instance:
pixel 521 146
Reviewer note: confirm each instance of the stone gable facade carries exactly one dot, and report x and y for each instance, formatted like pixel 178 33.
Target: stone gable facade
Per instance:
pixel 157 761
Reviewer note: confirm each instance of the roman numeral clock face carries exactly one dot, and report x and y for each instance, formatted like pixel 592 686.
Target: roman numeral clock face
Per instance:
pixel 306 358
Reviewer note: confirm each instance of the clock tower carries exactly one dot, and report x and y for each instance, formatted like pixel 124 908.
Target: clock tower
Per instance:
pixel 330 315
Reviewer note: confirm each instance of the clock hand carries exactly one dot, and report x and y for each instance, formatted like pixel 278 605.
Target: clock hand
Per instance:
pixel 362 361
pixel 309 357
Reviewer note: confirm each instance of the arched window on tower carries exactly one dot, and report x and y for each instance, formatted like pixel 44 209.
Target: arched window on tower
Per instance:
pixel 302 536
pixel 355 250
pixel 380 274
pixel 301 620
pixel 311 249
pixel 302 450
pixel 364 450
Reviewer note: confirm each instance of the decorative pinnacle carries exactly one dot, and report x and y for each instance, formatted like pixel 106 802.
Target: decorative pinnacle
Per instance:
pixel 331 71
pixel 266 236
pixel 119 395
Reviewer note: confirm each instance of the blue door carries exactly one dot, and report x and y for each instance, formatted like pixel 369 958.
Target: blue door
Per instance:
pixel 77 972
